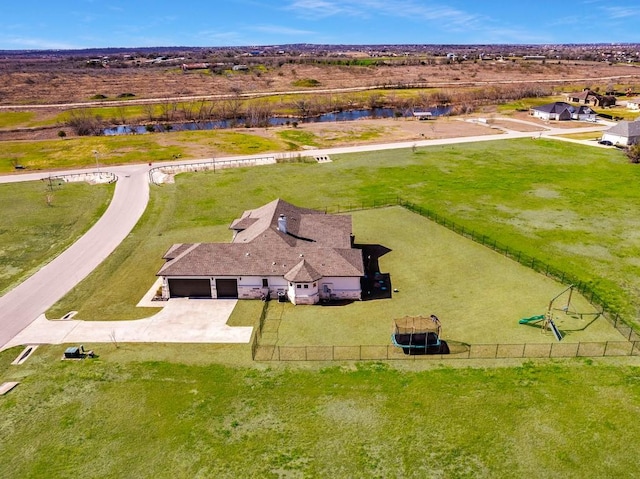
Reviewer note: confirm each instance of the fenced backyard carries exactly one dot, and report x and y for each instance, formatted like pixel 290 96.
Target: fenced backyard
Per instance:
pixel 266 346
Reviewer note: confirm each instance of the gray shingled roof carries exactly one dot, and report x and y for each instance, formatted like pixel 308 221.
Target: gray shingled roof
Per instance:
pixel 316 245
pixel 302 224
pixel 560 106
pixel 627 129
pixel 303 272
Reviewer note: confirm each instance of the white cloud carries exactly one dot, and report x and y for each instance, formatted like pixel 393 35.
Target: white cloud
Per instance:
pixel 32 43
pixel 616 12
pixel 280 30
pixel 400 9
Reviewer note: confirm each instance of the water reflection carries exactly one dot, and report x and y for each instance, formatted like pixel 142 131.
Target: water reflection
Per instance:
pixel 349 115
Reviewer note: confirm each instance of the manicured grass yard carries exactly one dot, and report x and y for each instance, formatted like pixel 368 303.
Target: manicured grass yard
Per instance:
pixel 32 232
pixel 478 294
pixel 174 412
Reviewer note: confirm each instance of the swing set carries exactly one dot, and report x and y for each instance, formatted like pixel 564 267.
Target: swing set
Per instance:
pixel 547 319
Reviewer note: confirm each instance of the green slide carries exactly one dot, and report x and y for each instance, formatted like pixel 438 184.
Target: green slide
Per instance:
pixel 532 319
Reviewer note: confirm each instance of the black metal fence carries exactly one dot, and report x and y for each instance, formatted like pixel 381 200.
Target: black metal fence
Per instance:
pixel 263 352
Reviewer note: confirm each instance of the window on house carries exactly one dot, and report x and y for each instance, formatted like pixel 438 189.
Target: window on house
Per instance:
pixel 314 285
pixel 265 283
pixel 298 286
pixel 306 286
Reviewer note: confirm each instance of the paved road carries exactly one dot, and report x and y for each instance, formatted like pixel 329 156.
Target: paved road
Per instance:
pixel 28 301
pixel 22 305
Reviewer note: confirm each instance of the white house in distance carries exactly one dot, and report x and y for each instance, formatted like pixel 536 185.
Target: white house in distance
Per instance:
pixel 563 111
pixel 624 133
pixel 278 250
pixel 633 104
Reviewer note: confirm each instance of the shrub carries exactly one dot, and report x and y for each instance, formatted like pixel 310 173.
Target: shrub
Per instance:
pixel 633 153
pixel 306 82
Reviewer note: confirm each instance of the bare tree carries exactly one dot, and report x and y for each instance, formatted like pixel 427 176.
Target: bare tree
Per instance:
pixel 84 123
pixel 259 113
pixel 149 111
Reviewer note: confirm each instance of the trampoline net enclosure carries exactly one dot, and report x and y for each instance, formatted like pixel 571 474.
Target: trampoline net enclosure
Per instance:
pixel 416 331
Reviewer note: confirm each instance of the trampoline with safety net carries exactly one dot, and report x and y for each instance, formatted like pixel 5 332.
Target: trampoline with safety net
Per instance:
pixel 419 335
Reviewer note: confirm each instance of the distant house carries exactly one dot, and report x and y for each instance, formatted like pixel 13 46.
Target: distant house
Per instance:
pixel 278 250
pixel 194 66
pixel 624 133
pixel 563 111
pixel 585 97
pixel 589 97
pixel 633 104
pixel 422 115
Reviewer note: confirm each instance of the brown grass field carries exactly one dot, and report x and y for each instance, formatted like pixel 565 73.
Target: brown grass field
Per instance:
pixel 60 83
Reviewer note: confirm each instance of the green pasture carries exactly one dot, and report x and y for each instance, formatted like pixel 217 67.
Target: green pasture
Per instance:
pixel 526 103
pixel 619 112
pixel 13 119
pixel 197 417
pixel 79 152
pixel 34 231
pixel 116 150
pixel 537 197
pixel 591 135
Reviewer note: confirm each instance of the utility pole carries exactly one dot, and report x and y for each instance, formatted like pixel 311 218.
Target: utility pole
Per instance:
pixel 96 153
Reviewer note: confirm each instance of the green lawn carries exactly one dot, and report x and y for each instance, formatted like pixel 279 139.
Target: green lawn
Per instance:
pixel 33 232
pixel 537 196
pixel 174 412
pixel 478 294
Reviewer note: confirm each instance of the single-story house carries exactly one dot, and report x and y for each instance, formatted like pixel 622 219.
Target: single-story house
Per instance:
pixel 624 133
pixel 563 111
pixel 633 104
pixel 584 97
pixel 589 97
pixel 195 66
pixel 278 250
pixel 422 114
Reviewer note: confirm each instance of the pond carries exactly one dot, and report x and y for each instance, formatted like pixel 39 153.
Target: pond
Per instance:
pixel 347 115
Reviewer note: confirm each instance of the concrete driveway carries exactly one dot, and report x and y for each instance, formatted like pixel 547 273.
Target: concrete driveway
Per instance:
pixel 182 320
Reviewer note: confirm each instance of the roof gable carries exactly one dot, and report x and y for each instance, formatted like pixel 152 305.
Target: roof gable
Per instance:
pixel 303 272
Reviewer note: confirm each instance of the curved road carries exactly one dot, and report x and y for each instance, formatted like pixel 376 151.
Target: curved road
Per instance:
pixel 25 303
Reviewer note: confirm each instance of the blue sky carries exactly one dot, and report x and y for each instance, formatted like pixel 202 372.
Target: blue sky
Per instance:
pixel 41 24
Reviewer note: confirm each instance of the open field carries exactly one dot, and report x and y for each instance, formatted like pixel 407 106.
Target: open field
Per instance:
pixel 40 220
pixel 77 152
pixel 43 84
pixel 196 417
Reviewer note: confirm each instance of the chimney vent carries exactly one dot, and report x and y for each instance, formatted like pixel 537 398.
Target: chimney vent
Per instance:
pixel 282 224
